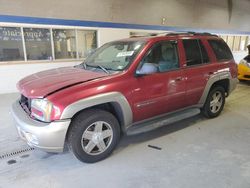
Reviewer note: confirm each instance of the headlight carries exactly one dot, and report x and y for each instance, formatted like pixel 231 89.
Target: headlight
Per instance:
pixel 41 109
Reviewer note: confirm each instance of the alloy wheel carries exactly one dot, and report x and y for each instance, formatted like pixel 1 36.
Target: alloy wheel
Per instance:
pixel 216 102
pixel 97 138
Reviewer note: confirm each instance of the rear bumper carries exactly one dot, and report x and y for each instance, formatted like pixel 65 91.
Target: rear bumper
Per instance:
pixel 49 137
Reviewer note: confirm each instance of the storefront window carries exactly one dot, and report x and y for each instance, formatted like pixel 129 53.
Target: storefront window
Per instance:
pixel 86 42
pixel 64 43
pixel 230 42
pixel 11 46
pixel 236 43
pixel 236 46
pixel 38 44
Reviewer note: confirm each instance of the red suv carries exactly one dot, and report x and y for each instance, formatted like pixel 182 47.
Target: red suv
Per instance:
pixel 127 86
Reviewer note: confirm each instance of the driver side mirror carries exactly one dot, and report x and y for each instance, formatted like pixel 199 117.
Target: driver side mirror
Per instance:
pixel 147 68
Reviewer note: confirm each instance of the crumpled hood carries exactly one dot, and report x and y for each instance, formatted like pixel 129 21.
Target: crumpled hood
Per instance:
pixel 43 83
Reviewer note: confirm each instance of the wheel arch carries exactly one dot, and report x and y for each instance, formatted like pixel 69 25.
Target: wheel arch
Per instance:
pixel 114 102
pixel 222 79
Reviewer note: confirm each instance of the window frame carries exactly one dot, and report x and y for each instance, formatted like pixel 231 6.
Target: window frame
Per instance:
pixel 25 43
pixel 21 43
pixel 199 41
pixel 176 41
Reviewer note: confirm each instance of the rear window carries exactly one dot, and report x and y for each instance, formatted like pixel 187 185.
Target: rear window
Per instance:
pixel 221 50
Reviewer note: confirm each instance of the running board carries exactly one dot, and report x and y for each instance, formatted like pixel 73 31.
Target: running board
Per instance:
pixel 149 125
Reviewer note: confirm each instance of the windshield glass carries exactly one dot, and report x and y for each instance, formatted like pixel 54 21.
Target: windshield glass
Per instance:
pixel 115 56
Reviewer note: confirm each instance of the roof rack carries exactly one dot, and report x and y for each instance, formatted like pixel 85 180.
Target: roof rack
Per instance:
pixel 191 33
pixel 176 34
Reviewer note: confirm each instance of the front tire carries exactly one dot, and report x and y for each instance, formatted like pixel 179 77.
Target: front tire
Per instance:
pixel 93 135
pixel 215 102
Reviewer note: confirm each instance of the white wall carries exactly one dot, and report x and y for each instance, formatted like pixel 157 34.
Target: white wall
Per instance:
pixel 107 34
pixel 10 74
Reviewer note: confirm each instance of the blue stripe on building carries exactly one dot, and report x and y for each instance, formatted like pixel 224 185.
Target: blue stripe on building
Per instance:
pixel 65 22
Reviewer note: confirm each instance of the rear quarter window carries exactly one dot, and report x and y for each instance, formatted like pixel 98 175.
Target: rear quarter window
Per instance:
pixel 221 50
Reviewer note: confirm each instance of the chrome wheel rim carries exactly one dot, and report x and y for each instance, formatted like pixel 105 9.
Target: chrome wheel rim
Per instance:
pixel 216 102
pixel 97 138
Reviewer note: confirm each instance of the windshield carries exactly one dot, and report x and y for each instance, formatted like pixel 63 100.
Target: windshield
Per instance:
pixel 115 56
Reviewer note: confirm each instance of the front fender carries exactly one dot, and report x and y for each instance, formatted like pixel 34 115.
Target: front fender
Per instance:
pixel 111 97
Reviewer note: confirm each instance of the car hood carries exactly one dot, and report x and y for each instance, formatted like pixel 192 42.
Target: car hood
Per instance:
pixel 40 84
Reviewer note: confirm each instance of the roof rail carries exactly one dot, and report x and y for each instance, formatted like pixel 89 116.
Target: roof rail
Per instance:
pixel 191 33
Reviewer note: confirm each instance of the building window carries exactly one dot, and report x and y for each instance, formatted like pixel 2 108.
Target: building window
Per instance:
pixel 86 42
pixel 38 44
pixel 64 43
pixel 236 46
pixel 27 44
pixel 236 43
pixel 11 46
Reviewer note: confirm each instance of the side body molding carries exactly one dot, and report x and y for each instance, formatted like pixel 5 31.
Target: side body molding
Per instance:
pixel 112 97
pixel 217 76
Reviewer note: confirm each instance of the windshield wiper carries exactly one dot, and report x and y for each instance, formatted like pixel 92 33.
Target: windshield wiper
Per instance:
pixel 104 69
pixel 85 65
pixel 82 65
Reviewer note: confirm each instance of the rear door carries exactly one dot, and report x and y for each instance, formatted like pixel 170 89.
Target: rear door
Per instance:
pixel 198 68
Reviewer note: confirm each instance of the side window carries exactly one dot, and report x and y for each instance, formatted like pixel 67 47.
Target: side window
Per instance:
pixel 162 57
pixel 192 50
pixel 195 52
pixel 204 55
pixel 221 50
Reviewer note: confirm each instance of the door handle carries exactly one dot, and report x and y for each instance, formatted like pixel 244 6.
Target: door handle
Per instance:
pixel 178 79
pixel 208 74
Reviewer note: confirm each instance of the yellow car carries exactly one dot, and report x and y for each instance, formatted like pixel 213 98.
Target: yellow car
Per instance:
pixel 244 69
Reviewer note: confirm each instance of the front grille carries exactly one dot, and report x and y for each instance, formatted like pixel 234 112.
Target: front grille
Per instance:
pixel 25 103
pixel 247 76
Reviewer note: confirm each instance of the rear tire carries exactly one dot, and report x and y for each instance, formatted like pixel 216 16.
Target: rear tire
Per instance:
pixel 215 102
pixel 93 135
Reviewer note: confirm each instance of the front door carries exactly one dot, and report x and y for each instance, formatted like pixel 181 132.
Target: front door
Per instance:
pixel 160 83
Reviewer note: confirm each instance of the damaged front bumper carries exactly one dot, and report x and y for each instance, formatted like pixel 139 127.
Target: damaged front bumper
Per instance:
pixel 49 137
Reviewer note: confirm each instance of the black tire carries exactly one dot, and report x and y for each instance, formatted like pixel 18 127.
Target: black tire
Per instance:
pixel 212 113
pixel 85 121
